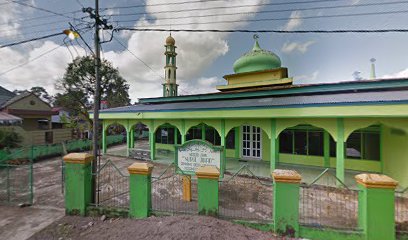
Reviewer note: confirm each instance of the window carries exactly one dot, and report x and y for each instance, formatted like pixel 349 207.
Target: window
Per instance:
pixel 361 144
pixel 212 136
pixel 230 141
pixel 302 141
pixel 194 133
pixel 165 135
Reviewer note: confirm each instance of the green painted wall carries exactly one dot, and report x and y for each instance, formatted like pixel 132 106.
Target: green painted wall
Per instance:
pixel 207 196
pixel 286 208
pixel 395 155
pixel 140 195
pixel 78 192
pixel 329 234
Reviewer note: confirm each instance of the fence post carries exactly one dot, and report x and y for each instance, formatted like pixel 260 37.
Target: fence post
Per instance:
pixel 78 181
pixel 376 212
pixel 207 187
pixel 286 202
pixel 140 188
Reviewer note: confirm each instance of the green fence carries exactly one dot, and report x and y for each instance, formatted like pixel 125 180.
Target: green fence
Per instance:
pixel 16 182
pixel 42 151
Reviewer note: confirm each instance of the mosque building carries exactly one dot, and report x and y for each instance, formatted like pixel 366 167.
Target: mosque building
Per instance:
pixel 260 116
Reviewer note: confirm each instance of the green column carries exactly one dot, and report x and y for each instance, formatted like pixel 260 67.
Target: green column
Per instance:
pixel 286 202
pixel 183 131
pixel 104 147
pixel 237 143
pixel 326 149
pixel 128 142
pixel 203 132
pixel 207 187
pixel 175 135
pixel 340 151
pixel 223 163
pixel 152 141
pixel 78 182
pixel 274 154
pixel 140 190
pixel 132 138
pixel 376 206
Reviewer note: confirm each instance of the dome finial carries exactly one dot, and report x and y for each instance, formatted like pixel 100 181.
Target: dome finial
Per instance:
pixel 256 45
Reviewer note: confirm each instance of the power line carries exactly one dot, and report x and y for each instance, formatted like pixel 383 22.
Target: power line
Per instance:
pixel 261 11
pixel 43 9
pixel 31 40
pixel 134 55
pixel 203 1
pixel 261 30
pixel 276 19
pixel 31 60
pixel 35 18
pixel 33 26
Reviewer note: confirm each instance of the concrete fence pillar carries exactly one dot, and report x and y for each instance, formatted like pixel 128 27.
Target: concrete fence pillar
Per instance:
pixel 286 202
pixel 140 190
pixel 207 186
pixel 376 206
pixel 78 183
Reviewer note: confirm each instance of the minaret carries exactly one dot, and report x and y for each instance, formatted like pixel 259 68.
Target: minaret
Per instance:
pixel 372 75
pixel 170 86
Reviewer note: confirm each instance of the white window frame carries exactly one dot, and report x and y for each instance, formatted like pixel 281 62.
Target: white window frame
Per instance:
pixel 251 142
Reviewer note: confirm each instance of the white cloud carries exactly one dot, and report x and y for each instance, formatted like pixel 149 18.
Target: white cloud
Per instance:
pixel 306 78
pixel 400 74
pixel 196 52
pixel 44 71
pixel 289 47
pixel 203 85
pixel 294 22
pixel 9 12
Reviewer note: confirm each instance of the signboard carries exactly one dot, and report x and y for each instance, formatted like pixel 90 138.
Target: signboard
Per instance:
pixel 196 153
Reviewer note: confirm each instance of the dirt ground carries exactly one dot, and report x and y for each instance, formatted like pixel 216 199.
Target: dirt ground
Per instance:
pixel 152 228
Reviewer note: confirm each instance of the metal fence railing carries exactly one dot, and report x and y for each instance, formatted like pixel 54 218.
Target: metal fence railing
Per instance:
pixel 244 196
pixel 48 150
pixel 323 204
pixel 401 210
pixel 167 193
pixel 112 187
pixel 16 182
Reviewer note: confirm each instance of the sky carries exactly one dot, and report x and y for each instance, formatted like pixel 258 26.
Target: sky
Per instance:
pixel 204 58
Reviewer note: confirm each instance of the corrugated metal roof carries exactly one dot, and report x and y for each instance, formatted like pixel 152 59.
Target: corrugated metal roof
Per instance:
pixel 5 95
pixel 276 101
pixel 6 118
pixel 16 98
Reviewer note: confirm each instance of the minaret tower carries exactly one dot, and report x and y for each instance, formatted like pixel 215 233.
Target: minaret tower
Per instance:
pixel 170 86
pixel 373 75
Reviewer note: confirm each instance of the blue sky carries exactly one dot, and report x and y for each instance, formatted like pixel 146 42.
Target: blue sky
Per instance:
pixel 205 57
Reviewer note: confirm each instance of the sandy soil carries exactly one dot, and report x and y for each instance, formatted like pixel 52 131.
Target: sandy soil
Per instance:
pixel 175 227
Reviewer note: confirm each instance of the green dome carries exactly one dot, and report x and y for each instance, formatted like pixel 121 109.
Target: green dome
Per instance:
pixel 257 60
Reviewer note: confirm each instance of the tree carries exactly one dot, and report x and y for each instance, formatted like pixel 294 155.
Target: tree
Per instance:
pixel 9 139
pixel 78 87
pixel 42 93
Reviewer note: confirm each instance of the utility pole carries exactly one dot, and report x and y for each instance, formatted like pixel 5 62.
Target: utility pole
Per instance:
pixel 97 102
pixel 97 97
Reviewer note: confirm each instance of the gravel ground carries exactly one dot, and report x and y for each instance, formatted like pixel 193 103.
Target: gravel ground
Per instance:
pixel 152 228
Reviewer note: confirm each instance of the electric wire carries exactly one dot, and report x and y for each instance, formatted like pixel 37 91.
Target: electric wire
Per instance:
pixel 31 60
pixel 261 11
pixel 36 18
pixel 274 19
pixel 261 30
pixel 31 40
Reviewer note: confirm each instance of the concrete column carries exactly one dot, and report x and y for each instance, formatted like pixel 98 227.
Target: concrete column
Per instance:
pixel 203 132
pixel 274 146
pixel 132 138
pixel 207 186
pixel 223 137
pixel 286 202
pixel 152 144
pixel 78 183
pixel 140 190
pixel 183 131
pixel 104 145
pixel 376 206
pixel 237 143
pixel 326 149
pixel 127 142
pixel 340 150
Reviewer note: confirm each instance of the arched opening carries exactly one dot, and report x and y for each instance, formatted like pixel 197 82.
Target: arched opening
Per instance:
pixel 204 132
pixel 116 140
pixel 166 137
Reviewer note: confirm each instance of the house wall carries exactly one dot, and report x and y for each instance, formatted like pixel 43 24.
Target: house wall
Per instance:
pixel 38 137
pixel 25 104
pixel 395 154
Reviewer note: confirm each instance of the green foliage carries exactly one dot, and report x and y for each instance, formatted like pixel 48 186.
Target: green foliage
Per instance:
pixel 78 87
pixel 9 139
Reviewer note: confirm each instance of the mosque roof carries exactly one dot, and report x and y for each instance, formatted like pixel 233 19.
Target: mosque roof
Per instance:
pixel 257 59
